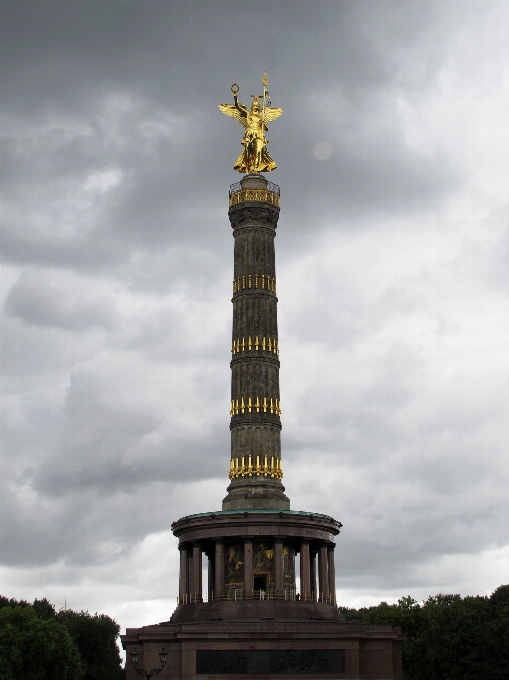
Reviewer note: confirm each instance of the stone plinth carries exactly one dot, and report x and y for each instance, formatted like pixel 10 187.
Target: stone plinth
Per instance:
pixel 226 649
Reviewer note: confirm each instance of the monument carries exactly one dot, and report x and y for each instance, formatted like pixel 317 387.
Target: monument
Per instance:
pixel 251 619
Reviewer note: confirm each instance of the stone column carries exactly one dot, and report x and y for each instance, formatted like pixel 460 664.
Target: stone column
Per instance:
pixel 305 571
pixel 323 572
pixel 219 570
pixel 279 568
pixel 332 571
pixel 197 567
pixel 313 576
pixel 248 568
pixel 210 576
pixel 184 574
pixel 256 468
pixel 190 572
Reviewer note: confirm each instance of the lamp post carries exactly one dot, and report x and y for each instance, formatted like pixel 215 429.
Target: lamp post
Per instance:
pixel 163 658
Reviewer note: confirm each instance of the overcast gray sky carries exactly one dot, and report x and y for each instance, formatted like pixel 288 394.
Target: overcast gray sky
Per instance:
pixel 392 260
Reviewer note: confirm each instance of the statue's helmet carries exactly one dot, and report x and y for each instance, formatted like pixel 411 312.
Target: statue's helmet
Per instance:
pixel 255 106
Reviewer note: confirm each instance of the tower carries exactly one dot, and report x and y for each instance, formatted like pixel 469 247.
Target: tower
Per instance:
pixel 254 614
pixel 255 408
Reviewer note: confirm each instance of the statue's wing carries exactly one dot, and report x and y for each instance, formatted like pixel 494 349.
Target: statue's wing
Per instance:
pixel 232 111
pixel 271 114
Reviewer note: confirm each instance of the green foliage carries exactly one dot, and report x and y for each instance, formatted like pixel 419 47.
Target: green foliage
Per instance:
pixel 449 637
pixel 44 609
pixel 34 649
pixel 95 636
pixel 6 602
pixel 93 650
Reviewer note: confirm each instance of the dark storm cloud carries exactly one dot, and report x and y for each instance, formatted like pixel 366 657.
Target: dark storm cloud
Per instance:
pixel 90 88
pixel 116 164
pixel 54 307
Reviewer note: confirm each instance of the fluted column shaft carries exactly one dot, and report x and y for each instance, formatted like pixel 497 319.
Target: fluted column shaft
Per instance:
pixel 196 587
pixel 219 570
pixel 314 590
pixel 332 570
pixel 323 571
pixel 184 572
pixel 255 366
pixel 255 406
pixel 248 569
pixel 279 567
pixel 210 576
pixel 305 571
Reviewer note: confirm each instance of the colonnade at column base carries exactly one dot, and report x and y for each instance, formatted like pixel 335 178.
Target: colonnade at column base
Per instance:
pixel 251 555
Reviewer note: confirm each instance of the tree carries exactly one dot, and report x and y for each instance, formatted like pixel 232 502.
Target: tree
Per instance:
pixel 449 637
pixel 44 609
pixel 93 637
pixel 34 649
pixel 96 638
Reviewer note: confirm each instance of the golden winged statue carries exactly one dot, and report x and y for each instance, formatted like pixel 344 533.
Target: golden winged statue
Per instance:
pixel 255 157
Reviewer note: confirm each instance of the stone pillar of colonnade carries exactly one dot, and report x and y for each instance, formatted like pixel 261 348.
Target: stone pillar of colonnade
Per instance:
pixel 210 576
pixel 323 572
pixel 248 569
pixel 305 571
pixel 196 585
pixel 279 567
pixel 332 571
pixel 184 574
pixel 219 569
pixel 314 589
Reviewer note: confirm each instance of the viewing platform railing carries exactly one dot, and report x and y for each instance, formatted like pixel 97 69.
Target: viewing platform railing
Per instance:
pixel 237 594
pixel 269 195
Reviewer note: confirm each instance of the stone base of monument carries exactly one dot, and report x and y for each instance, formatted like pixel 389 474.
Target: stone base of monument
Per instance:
pixel 266 646
pixel 253 618
pixel 256 609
